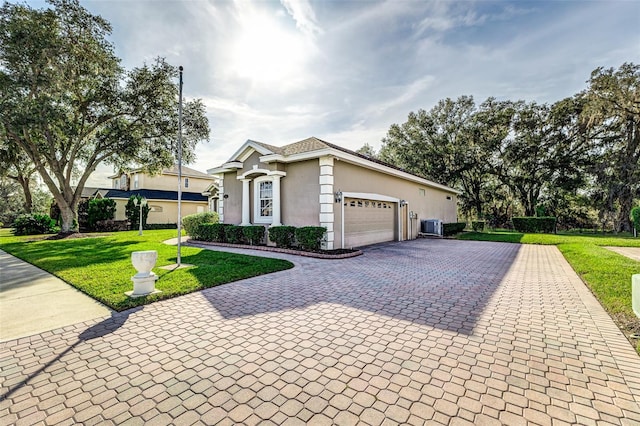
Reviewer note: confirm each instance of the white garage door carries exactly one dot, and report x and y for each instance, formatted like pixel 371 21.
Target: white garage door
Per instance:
pixel 368 222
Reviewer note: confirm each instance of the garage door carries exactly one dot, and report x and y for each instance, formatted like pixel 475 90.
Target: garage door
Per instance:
pixel 368 222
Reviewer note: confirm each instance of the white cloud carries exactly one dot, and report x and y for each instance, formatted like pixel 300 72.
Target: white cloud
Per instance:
pixel 302 12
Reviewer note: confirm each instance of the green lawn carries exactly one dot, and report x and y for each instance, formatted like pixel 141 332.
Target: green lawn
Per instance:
pixel 101 267
pixel 606 273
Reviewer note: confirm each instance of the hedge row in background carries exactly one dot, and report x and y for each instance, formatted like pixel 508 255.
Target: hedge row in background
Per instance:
pixel 306 237
pixel 453 228
pixel 545 224
pixel 477 225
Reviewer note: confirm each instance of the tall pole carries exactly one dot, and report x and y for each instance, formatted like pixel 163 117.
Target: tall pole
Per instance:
pixel 178 257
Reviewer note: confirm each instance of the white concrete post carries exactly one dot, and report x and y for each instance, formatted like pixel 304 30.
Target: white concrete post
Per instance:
pixel 635 294
pixel 276 215
pixel 246 206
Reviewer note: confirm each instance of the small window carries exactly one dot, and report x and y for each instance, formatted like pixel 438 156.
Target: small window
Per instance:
pixel 359 203
pixel 123 182
pixel 135 181
pixel 448 197
pixel 266 199
pixel 186 182
pixel 352 203
pixel 422 192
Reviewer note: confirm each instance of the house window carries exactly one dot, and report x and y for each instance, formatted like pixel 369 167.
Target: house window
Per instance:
pixel 186 182
pixel 123 182
pixel 265 199
pixel 135 181
pixel 116 184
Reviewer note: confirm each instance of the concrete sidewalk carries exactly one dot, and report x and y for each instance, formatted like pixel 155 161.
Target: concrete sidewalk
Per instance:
pixel 33 301
pixel 630 252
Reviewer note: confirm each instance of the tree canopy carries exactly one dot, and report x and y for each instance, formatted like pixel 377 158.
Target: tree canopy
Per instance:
pixel 68 104
pixel 579 152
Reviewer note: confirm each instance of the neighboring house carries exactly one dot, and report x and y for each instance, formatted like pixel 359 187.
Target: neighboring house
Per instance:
pixel 312 182
pixel 199 192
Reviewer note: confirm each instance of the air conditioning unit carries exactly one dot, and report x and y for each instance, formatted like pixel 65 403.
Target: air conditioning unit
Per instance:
pixel 431 226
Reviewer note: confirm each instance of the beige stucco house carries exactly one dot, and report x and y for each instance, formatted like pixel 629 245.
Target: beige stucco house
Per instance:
pixel 359 200
pixel 199 193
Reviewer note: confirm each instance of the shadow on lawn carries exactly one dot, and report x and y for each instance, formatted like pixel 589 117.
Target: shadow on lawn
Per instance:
pixel 441 283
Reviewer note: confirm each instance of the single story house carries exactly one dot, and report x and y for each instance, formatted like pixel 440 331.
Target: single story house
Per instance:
pixel 359 200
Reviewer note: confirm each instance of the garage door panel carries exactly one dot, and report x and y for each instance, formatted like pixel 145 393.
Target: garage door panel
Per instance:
pixel 368 222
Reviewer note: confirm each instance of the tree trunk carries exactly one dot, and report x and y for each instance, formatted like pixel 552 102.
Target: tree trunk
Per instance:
pixel 69 218
pixel 624 220
pixel 28 199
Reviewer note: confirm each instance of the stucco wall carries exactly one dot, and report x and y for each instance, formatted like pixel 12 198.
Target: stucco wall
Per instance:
pixel 167 182
pixel 426 202
pixel 300 194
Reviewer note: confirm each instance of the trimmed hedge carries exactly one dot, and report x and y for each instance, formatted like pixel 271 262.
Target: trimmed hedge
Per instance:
pixel 283 236
pixel 477 225
pixel 453 228
pixel 192 221
pixel 110 225
pixel 152 226
pixel 310 237
pixel 213 232
pixel 33 224
pixel 233 234
pixel 100 210
pixel 253 234
pixel 534 224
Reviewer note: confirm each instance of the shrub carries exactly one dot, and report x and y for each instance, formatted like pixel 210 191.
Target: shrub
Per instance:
pixel 477 225
pixel 283 236
pixel 253 234
pixel 152 226
pixel 309 237
pixel 100 209
pixel 233 234
pixel 211 232
pixel 635 217
pixel 133 212
pixel 110 225
pixel 192 221
pixel 453 228
pixel 534 224
pixel 33 224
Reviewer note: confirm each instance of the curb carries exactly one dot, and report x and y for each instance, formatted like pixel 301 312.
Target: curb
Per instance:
pixel 278 250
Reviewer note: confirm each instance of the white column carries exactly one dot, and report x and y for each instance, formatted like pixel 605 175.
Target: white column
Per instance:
pixel 246 204
pixel 326 200
pixel 221 199
pixel 276 215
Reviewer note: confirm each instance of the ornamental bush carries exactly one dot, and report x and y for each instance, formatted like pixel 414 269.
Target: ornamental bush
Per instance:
pixel 253 234
pixel 534 224
pixel 477 225
pixel 100 209
pixel 453 228
pixel 310 237
pixel 283 236
pixel 33 224
pixel 192 221
pixel 213 232
pixel 635 217
pixel 233 234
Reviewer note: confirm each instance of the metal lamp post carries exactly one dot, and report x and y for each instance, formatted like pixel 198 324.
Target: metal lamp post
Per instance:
pixel 142 202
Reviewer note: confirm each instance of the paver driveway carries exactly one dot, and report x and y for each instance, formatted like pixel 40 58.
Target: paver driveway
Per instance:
pixel 428 331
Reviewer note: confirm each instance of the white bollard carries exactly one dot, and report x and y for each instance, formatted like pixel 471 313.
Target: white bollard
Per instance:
pixel 635 294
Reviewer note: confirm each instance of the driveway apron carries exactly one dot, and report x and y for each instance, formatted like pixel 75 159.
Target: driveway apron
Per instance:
pixel 420 332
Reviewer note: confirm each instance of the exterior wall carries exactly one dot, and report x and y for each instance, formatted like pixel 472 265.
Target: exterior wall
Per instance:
pixel 253 160
pixel 425 202
pixel 165 182
pixel 299 195
pixel 169 213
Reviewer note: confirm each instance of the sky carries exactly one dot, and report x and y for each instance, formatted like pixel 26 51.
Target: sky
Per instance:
pixel 344 71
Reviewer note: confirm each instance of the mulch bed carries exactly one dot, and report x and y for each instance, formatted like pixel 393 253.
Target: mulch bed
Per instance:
pixel 320 254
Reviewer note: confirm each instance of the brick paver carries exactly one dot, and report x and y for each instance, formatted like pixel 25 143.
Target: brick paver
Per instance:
pixel 427 331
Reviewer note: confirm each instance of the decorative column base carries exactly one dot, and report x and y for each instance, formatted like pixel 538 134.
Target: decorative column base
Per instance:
pixel 143 286
pixel 635 294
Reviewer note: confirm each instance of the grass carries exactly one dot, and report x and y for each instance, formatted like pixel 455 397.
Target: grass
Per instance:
pixel 606 274
pixel 101 267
